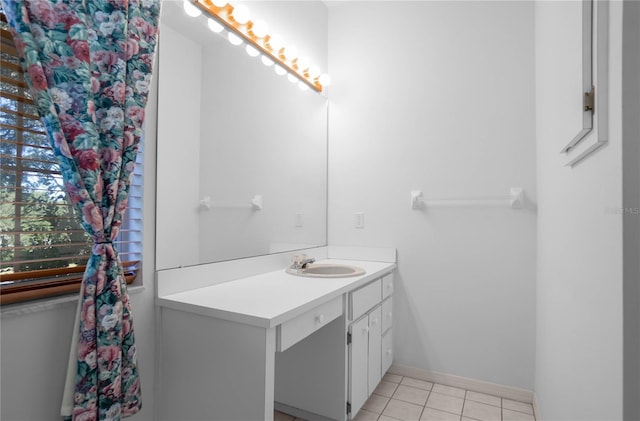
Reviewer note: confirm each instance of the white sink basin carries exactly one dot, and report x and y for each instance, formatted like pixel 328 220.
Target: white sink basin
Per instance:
pixel 327 270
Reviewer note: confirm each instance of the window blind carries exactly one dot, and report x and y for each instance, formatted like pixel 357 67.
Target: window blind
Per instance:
pixel 43 248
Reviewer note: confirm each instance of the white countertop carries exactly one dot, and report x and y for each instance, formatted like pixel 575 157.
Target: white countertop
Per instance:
pixel 269 299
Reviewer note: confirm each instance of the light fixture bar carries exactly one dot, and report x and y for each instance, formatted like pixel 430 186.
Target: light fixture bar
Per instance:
pixel 224 16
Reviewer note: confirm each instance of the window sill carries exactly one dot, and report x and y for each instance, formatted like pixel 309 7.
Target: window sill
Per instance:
pixel 30 307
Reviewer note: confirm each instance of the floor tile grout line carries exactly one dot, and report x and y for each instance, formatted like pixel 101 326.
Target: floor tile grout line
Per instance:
pixel 385 407
pixel 424 406
pixel 464 401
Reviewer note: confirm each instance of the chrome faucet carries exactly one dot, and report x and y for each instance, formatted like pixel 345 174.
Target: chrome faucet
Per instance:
pixel 301 262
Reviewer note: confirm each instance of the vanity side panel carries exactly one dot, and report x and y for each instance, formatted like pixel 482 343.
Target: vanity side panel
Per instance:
pixel 215 369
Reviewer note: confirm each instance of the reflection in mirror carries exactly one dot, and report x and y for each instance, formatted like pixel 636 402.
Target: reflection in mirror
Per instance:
pixel 242 152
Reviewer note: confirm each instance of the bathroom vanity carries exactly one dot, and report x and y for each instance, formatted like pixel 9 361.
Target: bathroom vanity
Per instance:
pixel 234 347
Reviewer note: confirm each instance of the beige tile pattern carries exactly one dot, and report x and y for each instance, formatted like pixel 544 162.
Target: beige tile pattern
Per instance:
pixel 364 415
pixel 509 415
pixel 448 390
pixel 376 403
pixel 481 411
pixel 527 408
pixel 430 414
pixel 483 398
pixel 403 410
pixel 445 403
pixel 411 394
pixel 386 388
pixel 399 398
pixel 418 384
pixel 393 378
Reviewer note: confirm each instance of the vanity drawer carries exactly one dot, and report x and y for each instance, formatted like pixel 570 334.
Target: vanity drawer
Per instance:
pixel 387 285
pixel 365 298
pixel 294 330
pixel 387 314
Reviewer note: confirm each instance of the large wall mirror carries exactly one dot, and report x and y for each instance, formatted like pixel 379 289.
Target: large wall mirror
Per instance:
pixel 242 152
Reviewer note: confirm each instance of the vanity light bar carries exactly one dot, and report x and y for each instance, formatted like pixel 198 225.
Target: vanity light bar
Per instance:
pixel 225 16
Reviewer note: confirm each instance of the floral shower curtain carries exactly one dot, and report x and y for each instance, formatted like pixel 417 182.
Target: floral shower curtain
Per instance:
pixel 89 65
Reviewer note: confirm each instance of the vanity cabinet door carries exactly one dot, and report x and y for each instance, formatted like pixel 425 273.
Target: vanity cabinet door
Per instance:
pixel 358 364
pixel 387 350
pixel 370 348
pixel 375 349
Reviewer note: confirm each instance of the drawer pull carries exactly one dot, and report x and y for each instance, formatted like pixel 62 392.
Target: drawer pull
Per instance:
pixel 320 318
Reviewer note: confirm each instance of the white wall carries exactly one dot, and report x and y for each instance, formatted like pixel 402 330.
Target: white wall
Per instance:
pixel 439 96
pixel 579 288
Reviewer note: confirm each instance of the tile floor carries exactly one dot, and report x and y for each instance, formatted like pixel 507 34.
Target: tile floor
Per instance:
pixel 280 416
pixel 400 398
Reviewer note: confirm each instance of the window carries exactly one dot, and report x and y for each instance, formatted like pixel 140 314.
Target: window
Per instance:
pixel 43 248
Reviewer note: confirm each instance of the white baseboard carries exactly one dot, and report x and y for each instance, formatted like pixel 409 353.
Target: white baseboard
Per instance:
pixel 536 408
pixel 509 392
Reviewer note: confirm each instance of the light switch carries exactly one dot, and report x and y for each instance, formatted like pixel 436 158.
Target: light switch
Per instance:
pixel 359 220
pixel 299 220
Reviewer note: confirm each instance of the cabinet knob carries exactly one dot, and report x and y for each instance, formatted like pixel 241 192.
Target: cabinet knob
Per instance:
pixel 374 322
pixel 365 330
pixel 390 287
pixel 320 318
pixel 389 352
pixel 389 315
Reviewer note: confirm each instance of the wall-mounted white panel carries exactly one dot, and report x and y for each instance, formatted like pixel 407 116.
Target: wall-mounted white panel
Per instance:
pixel 579 342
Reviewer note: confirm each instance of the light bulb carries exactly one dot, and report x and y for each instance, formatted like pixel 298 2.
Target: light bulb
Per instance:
pixel 280 70
pixel 234 39
pixel 240 14
pixel 303 86
pixel 260 29
pixel 314 72
pixel 214 26
pixel 303 63
pixel 276 43
pixel 292 78
pixel 291 52
pixel 324 79
pixel 267 61
pixel 190 9
pixel 219 3
pixel 252 51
